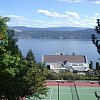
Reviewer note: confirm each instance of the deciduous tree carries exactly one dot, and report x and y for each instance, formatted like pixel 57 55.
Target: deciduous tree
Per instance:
pixel 16 78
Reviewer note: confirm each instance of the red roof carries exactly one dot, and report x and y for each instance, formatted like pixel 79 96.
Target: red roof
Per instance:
pixel 62 58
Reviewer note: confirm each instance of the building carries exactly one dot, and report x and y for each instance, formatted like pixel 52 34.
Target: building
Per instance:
pixel 66 62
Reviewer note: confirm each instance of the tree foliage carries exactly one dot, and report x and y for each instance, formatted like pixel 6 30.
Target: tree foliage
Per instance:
pixel 17 79
pixel 30 56
pixel 96 42
pixel 3 27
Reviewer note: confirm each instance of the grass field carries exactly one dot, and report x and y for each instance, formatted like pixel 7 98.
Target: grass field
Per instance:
pixel 85 93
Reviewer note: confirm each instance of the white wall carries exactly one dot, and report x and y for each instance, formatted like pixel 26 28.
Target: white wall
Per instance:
pixel 81 67
pixel 74 66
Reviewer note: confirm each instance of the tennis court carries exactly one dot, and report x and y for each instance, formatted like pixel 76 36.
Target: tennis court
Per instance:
pixel 67 91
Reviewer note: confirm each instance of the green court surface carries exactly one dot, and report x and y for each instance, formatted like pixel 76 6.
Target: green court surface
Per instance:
pixel 65 93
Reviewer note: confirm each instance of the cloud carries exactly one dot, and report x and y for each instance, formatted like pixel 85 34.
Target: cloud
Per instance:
pixel 17 18
pixel 22 21
pixel 73 1
pixel 96 14
pixel 70 1
pixel 94 1
pixel 48 13
pixel 58 15
pixel 88 21
pixel 91 20
pixel 72 14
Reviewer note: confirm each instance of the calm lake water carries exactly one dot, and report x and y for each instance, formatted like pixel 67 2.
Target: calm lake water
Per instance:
pixel 53 46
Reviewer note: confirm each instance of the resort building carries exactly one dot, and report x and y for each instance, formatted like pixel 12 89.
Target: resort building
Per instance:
pixel 71 63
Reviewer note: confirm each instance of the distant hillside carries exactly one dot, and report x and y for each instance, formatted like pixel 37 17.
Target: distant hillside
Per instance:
pixel 24 28
pixel 54 33
pixel 63 28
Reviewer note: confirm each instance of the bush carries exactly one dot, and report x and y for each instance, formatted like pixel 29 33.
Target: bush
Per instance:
pixel 69 76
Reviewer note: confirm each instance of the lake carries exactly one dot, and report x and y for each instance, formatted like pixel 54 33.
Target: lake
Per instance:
pixel 53 46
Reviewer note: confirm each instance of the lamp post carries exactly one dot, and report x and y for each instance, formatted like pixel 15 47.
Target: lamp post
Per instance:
pixel 58 81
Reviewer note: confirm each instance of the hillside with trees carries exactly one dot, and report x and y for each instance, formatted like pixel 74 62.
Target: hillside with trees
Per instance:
pixel 54 33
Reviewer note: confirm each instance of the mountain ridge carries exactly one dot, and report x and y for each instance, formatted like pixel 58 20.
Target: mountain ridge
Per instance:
pixel 63 28
pixel 54 33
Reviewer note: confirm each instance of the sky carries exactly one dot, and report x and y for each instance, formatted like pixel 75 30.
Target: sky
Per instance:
pixel 51 13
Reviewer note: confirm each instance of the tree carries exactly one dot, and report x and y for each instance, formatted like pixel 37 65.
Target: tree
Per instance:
pixel 16 78
pixel 96 42
pixel 36 80
pixel 94 38
pixel 36 76
pixel 91 65
pixel 9 69
pixel 30 56
pixel 97 66
pixel 97 29
pixel 3 27
pixel 10 62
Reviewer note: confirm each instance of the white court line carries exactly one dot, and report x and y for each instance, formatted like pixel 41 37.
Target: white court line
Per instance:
pixel 51 93
pixel 62 93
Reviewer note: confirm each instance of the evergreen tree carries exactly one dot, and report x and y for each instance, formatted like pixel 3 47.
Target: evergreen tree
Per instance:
pixel 97 29
pixel 30 56
pixel 91 65
pixel 36 80
pixel 97 66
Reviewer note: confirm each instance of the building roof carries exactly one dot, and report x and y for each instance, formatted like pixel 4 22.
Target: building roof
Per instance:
pixel 62 58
